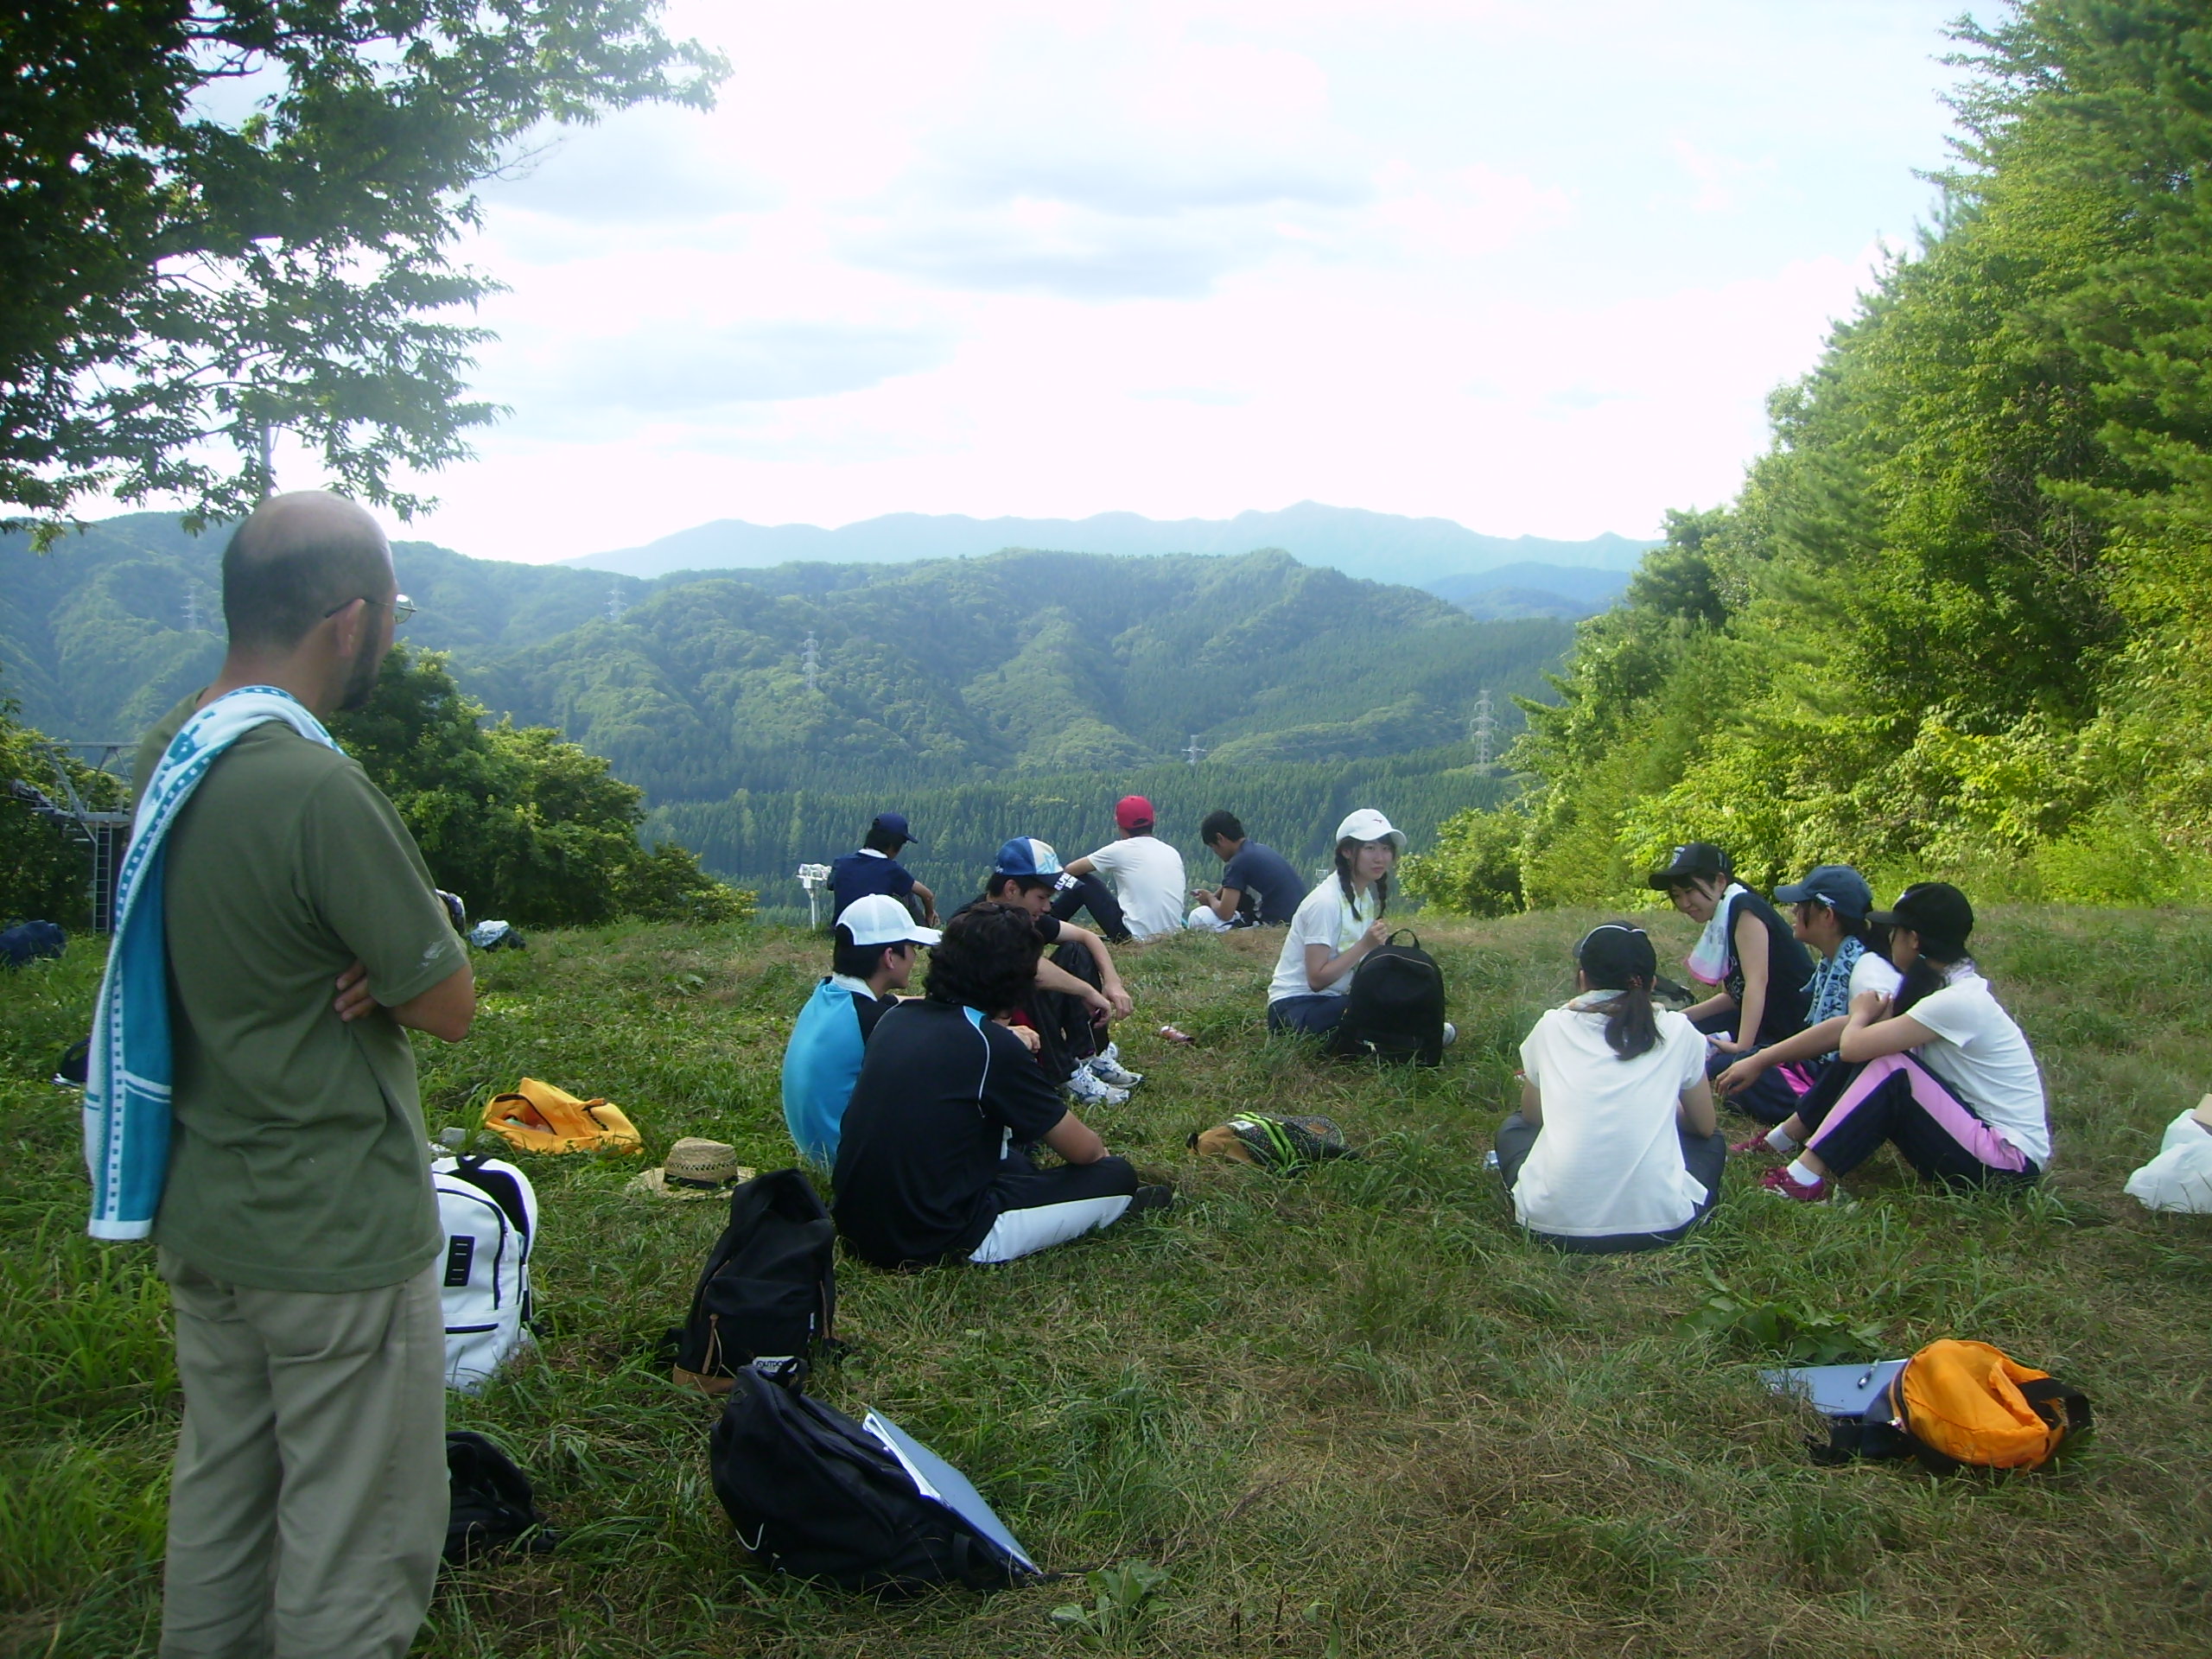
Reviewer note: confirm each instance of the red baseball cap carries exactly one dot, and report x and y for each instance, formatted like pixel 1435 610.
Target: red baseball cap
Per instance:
pixel 1133 812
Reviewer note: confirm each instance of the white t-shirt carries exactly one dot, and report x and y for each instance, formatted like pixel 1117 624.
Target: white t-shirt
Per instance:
pixel 1986 1059
pixel 1609 1157
pixel 1323 918
pixel 1874 972
pixel 1148 880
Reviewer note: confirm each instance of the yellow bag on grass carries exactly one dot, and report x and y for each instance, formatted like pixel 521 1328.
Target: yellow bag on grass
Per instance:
pixel 538 1117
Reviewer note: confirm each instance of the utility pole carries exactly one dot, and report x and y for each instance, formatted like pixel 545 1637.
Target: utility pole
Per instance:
pixel 1192 752
pixel 268 460
pixel 810 658
pixel 1482 728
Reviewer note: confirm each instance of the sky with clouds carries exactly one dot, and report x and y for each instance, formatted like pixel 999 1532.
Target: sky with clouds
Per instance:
pixel 1531 266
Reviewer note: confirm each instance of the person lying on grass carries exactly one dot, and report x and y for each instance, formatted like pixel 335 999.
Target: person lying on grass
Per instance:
pixel 1747 950
pixel 934 1162
pixel 1614 1147
pixel 1942 1072
pixel 1828 911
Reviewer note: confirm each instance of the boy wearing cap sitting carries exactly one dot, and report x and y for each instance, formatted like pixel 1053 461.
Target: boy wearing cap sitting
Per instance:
pixel 933 1165
pixel 1077 992
pixel 872 956
pixel 875 868
pixel 1149 883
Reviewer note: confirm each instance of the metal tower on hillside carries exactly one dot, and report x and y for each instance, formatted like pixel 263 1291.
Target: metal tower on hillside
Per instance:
pixel 1482 728
pixel 1192 752
pixel 191 610
pixel 811 659
pixel 614 604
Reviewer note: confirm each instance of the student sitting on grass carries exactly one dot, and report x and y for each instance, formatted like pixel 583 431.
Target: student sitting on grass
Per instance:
pixel 1147 899
pixel 1614 1146
pixel 1077 992
pixel 1335 927
pixel 1942 1073
pixel 934 1165
pixel 873 957
pixel 875 868
pixel 1258 887
pixel 1747 950
pixel 1828 912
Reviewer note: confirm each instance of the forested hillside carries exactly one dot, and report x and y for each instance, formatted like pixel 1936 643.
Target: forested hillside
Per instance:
pixel 1961 616
pixel 975 690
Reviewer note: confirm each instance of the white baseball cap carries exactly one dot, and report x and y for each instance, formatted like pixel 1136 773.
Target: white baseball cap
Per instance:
pixel 878 918
pixel 1368 824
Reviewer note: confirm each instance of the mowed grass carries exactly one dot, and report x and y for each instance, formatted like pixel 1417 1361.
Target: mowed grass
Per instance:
pixel 1350 1414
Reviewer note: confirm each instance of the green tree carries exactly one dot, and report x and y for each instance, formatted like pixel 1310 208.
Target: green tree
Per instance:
pixel 522 824
pixel 45 870
pixel 174 277
pixel 1475 869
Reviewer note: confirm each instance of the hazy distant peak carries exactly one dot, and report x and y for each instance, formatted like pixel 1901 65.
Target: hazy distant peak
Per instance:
pixel 1378 546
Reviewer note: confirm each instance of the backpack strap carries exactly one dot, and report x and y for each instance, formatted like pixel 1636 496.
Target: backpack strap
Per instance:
pixel 2046 1392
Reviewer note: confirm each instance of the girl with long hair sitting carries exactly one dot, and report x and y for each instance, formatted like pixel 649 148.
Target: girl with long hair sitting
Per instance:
pixel 1614 1146
pixel 1336 926
pixel 1940 1071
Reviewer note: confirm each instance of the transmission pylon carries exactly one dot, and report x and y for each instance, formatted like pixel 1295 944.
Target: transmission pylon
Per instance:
pixel 1192 752
pixel 614 604
pixel 1483 728
pixel 811 659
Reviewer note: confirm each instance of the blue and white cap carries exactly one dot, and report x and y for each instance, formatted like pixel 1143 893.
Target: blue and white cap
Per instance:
pixel 1025 856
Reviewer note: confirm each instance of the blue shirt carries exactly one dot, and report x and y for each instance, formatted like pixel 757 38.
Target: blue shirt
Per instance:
pixel 857 874
pixel 1270 888
pixel 822 1060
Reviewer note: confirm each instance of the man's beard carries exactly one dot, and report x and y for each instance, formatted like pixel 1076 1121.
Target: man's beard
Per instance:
pixel 361 679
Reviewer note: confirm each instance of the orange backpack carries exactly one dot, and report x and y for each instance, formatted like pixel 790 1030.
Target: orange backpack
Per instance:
pixel 539 1117
pixel 1961 1404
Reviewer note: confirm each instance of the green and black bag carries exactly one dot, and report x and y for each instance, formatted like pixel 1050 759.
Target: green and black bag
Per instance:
pixel 1288 1146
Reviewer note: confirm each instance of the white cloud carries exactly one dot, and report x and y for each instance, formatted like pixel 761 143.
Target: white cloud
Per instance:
pixel 1533 268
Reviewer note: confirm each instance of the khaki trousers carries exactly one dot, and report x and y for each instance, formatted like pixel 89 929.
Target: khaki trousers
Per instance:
pixel 308 1502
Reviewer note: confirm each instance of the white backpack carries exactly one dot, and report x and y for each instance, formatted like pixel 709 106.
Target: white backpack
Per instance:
pixel 490 1217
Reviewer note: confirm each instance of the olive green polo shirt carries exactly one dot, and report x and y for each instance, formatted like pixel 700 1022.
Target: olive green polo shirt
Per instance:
pixel 297 1161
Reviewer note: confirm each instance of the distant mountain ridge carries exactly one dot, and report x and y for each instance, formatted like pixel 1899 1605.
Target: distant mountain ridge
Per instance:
pixel 1374 546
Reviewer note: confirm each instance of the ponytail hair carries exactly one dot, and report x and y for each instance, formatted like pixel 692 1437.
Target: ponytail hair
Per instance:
pixel 1618 956
pixel 1929 973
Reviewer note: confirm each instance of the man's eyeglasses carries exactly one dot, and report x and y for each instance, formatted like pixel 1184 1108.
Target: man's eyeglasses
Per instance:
pixel 401 607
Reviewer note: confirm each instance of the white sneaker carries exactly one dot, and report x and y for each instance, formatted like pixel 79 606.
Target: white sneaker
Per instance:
pixel 1108 1069
pixel 1091 1092
pixel 1451 1033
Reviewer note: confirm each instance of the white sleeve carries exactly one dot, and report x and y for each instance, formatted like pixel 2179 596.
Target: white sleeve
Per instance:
pixel 1874 973
pixel 1108 858
pixel 1532 1051
pixel 1692 1049
pixel 1951 1014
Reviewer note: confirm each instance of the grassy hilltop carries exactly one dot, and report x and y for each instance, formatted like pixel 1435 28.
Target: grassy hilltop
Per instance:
pixel 1353 1414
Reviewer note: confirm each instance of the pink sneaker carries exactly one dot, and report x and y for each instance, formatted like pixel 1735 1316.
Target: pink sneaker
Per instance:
pixel 1746 1148
pixel 1782 1184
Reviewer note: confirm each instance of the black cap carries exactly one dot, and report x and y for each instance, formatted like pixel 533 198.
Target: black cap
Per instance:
pixel 1613 953
pixel 1936 911
pixel 893 823
pixel 1693 860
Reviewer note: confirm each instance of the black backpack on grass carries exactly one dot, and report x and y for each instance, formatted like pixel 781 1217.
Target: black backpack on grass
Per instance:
pixel 770 1287
pixel 814 1494
pixel 1395 1010
pixel 492 1503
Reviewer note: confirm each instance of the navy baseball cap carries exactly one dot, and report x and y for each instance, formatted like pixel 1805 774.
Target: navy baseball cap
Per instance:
pixel 1025 856
pixel 1693 860
pixel 895 823
pixel 1838 886
pixel 1936 911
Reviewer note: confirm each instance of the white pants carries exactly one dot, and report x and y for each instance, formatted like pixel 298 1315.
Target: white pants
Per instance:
pixel 1205 921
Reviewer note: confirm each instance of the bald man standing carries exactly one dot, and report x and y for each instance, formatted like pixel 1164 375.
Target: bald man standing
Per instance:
pixel 296 1226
